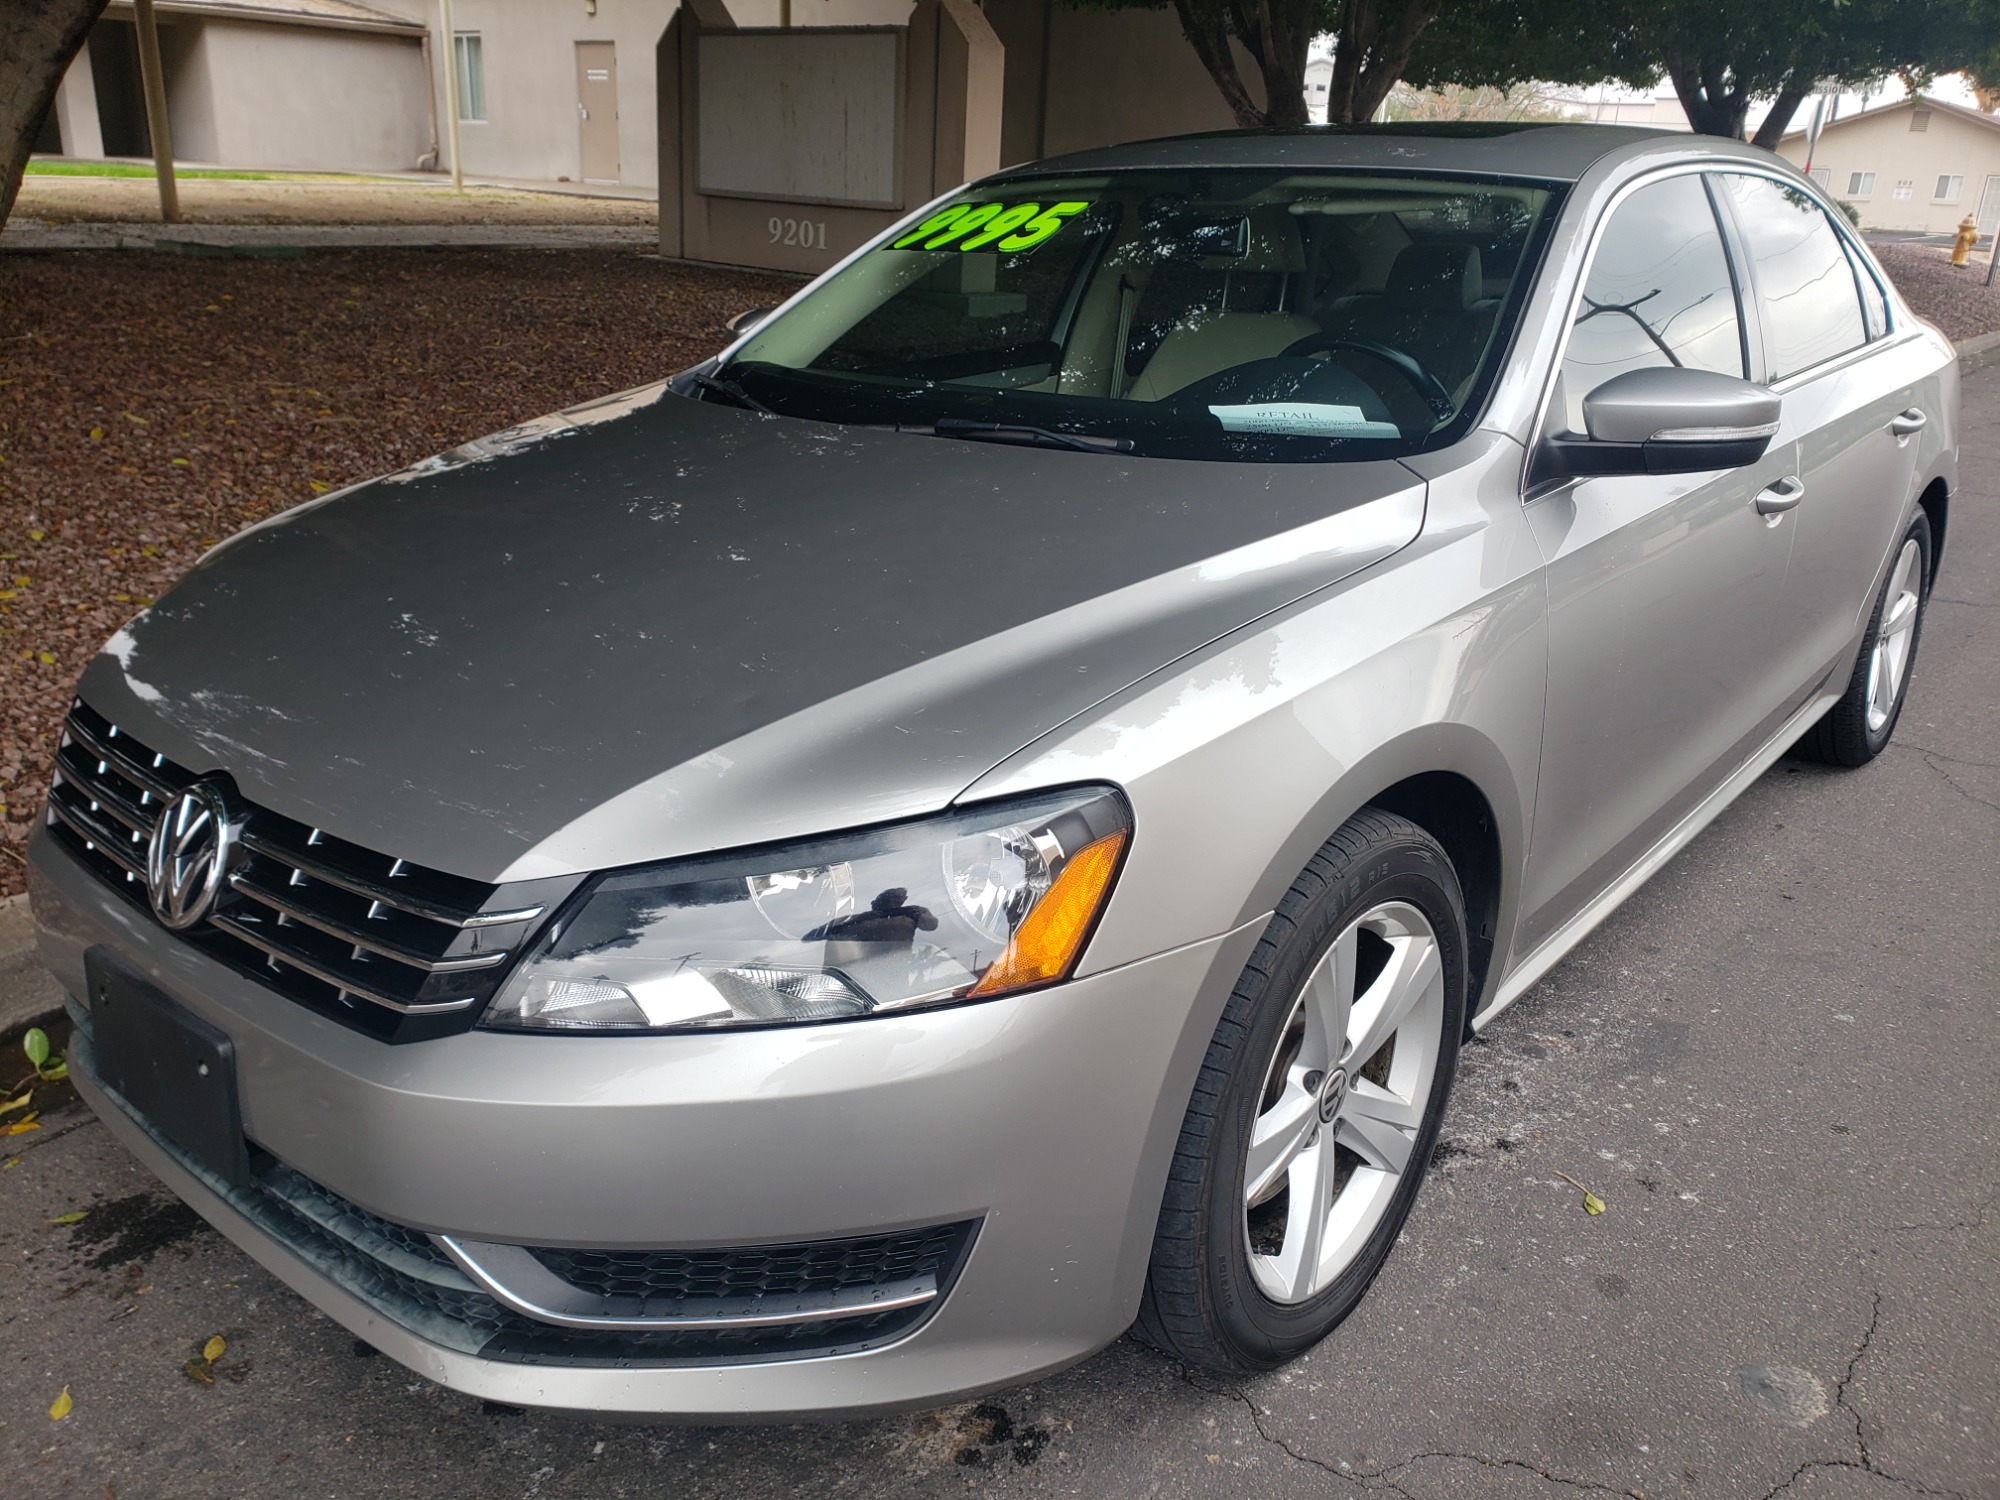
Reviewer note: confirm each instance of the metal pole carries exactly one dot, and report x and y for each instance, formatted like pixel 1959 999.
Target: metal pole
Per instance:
pixel 154 80
pixel 1993 260
pixel 450 92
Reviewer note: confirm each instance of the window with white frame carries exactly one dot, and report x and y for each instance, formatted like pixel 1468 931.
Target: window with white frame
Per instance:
pixel 1920 120
pixel 471 64
pixel 1860 184
pixel 1823 176
pixel 1949 189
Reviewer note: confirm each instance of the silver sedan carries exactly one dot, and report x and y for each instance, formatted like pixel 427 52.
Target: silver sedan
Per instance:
pixel 848 877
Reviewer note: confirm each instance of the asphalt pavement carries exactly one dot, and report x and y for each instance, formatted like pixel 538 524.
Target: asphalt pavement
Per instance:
pixel 1777 1065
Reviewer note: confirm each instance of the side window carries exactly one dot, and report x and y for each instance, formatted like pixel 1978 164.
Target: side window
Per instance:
pixel 1659 293
pixel 1874 306
pixel 1805 285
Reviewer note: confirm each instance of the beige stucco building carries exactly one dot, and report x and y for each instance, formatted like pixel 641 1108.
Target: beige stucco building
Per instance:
pixel 315 84
pixel 774 132
pixel 1920 164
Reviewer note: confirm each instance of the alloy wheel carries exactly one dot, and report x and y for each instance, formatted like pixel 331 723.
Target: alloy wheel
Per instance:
pixel 1890 662
pixel 1343 1100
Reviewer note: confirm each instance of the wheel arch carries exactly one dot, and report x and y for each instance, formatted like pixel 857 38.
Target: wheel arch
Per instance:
pixel 1935 502
pixel 1456 784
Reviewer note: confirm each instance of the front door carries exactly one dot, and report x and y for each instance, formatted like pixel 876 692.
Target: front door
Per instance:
pixel 597 110
pixel 1664 591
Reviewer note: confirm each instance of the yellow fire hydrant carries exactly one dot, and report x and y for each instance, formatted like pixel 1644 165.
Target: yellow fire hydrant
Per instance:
pixel 1968 236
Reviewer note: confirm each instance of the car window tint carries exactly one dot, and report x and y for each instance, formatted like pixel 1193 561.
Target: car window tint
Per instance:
pixel 1805 286
pixel 1659 293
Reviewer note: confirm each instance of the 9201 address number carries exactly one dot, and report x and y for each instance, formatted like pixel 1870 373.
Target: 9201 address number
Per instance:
pixel 808 234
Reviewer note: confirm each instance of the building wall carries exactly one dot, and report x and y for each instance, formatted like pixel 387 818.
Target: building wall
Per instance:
pixel 1883 143
pixel 528 48
pixel 297 96
pixel 1127 75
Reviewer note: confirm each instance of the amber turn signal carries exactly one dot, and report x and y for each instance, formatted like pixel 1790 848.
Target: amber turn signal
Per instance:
pixel 1046 944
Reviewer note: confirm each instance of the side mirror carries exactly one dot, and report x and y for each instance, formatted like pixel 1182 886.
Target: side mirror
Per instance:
pixel 1665 420
pixel 745 321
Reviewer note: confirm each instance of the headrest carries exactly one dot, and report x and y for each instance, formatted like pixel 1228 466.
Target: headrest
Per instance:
pixel 1438 273
pixel 1274 244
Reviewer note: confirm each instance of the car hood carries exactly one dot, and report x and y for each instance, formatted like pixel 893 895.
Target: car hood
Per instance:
pixel 658 626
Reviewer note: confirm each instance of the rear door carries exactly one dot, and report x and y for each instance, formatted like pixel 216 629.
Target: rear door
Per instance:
pixel 1663 589
pixel 1850 404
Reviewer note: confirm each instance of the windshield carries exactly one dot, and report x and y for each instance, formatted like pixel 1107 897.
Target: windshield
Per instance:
pixel 1231 314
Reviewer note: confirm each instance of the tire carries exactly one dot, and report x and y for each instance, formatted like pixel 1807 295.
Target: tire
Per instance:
pixel 1857 728
pixel 1375 912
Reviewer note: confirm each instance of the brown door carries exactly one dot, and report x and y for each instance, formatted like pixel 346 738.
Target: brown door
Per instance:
pixel 597 110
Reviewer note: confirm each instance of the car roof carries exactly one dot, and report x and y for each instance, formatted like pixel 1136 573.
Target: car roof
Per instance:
pixel 1556 152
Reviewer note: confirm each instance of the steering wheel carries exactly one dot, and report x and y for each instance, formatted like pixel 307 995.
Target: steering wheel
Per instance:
pixel 1426 385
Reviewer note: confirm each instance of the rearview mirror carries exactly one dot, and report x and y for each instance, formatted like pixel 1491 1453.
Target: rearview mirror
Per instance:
pixel 1665 420
pixel 748 319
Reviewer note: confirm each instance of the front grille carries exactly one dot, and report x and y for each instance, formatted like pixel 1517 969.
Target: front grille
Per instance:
pixel 688 1279
pixel 395 949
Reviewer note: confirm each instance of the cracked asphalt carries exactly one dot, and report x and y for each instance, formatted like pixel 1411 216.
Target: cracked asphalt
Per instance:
pixel 1776 1064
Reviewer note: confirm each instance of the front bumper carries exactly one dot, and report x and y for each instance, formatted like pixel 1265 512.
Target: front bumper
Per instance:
pixel 1047 1118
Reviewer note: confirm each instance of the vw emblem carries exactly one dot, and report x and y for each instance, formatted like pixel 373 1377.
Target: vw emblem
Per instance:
pixel 1332 1093
pixel 188 856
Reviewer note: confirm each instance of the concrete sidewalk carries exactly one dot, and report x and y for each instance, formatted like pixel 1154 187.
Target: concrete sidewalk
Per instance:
pixel 32 237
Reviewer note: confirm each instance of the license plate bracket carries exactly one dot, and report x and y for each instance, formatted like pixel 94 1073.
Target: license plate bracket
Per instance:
pixel 174 1069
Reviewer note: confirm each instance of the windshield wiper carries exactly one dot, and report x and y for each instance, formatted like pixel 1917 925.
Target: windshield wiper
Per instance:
pixel 730 391
pixel 1033 437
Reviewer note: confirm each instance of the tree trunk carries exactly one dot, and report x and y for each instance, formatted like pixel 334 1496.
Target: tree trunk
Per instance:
pixel 1790 97
pixel 1203 25
pixel 1373 44
pixel 1381 49
pixel 37 41
pixel 1713 107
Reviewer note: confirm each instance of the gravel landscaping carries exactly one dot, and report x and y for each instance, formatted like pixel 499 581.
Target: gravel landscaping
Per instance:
pixel 1956 298
pixel 151 405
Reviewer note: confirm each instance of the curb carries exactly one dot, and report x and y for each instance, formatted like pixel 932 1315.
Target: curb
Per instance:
pixel 29 995
pixel 1978 353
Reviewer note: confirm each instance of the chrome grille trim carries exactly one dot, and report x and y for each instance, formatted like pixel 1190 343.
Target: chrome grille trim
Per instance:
pixel 344 983
pixel 148 778
pixel 366 938
pixel 360 885
pixel 259 893
pixel 517 1281
pixel 97 839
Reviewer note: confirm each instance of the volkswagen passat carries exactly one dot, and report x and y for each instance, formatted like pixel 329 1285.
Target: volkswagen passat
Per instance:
pixel 845 878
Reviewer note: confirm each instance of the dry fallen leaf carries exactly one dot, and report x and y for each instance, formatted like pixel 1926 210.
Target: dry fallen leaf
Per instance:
pixel 198 1369
pixel 1592 1204
pixel 62 1405
pixel 213 1349
pixel 23 1125
pixel 75 1217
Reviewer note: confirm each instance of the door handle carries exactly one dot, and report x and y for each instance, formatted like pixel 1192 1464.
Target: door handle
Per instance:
pixel 1776 499
pixel 1905 423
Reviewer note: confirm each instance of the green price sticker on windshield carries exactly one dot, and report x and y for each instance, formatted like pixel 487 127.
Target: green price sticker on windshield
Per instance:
pixel 974 226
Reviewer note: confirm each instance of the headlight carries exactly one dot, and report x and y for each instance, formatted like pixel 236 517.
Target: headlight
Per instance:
pixel 967 906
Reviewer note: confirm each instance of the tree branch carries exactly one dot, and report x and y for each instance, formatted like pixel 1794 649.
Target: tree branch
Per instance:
pixel 1210 40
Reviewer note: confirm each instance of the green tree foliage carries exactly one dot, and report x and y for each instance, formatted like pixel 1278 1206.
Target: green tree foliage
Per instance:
pixel 1722 55
pixel 1372 44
